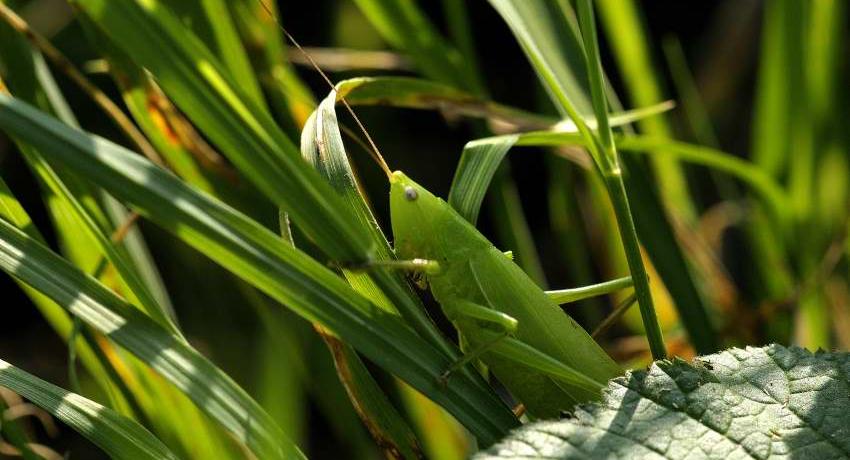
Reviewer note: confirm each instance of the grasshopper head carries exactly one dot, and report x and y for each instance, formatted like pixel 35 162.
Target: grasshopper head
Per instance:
pixel 426 227
pixel 416 213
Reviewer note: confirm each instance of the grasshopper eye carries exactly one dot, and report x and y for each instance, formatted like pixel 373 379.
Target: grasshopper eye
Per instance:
pixel 410 193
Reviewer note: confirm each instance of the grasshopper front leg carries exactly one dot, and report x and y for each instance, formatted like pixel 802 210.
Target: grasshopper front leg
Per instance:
pixel 418 268
pixel 472 313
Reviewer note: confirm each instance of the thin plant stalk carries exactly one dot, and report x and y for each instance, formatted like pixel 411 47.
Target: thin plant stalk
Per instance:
pixel 608 163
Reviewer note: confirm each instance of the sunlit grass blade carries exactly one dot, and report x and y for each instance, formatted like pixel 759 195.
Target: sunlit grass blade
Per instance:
pixel 191 76
pixel 150 110
pixel 547 38
pixel 629 42
pixel 289 96
pixel 12 211
pixel 77 210
pixel 84 297
pixel 211 21
pixel 321 145
pixel 118 436
pixel 84 222
pixel 262 259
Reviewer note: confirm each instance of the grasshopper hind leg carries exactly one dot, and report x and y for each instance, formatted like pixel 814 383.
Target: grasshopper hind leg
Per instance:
pixel 500 326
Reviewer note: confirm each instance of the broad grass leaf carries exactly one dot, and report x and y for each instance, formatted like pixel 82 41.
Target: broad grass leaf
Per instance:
pixel 213 391
pixel 262 259
pixel 118 436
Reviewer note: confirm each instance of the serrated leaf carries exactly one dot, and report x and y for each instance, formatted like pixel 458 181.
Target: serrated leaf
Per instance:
pixel 763 403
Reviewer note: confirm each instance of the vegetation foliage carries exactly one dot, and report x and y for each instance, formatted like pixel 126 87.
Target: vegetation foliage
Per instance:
pixel 307 330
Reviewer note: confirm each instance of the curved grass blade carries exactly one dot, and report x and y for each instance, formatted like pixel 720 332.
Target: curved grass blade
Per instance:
pixel 213 391
pixel 478 163
pixel 262 259
pixel 416 93
pixel 246 133
pixel 553 46
pixel 118 436
pixel 321 145
pixel 481 158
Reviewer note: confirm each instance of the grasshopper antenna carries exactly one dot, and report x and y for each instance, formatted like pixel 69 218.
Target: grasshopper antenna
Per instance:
pixel 376 154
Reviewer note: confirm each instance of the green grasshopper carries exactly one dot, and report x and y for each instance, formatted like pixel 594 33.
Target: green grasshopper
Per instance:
pixel 537 351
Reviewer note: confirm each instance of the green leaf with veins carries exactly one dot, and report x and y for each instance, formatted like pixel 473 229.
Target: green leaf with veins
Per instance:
pixel 758 403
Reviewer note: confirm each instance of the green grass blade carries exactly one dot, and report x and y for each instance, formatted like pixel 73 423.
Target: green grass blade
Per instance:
pixel 651 218
pixel 546 37
pixel 481 158
pixel 476 170
pixel 245 132
pixel 85 223
pixel 629 43
pixel 262 259
pixel 460 32
pixel 416 93
pixel 213 392
pixel 405 27
pixel 767 189
pixel 773 107
pixel 118 436
pixel 288 95
pixel 147 105
pixel 613 176
pixel 211 21
pixel 321 145
pixel 478 163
